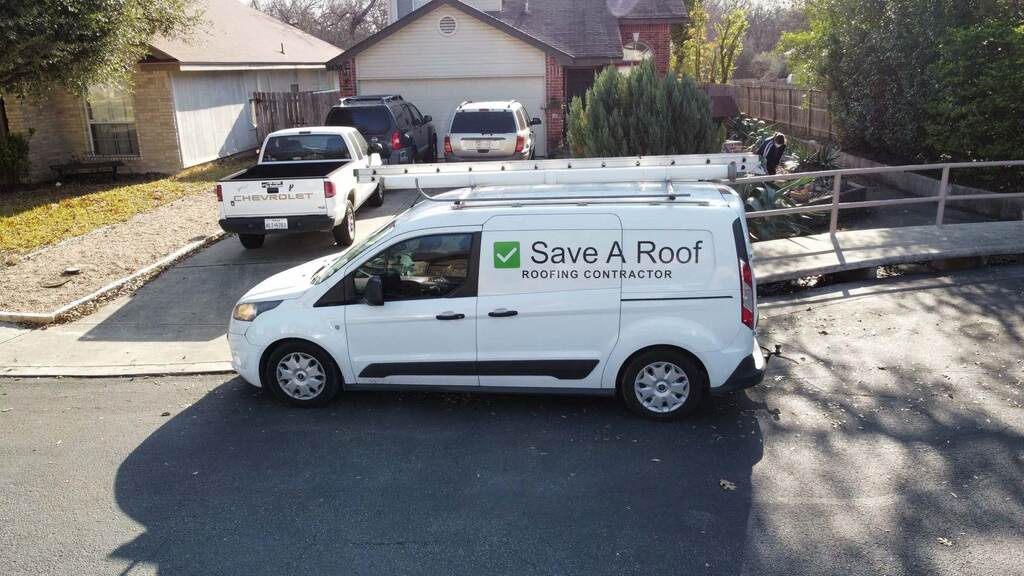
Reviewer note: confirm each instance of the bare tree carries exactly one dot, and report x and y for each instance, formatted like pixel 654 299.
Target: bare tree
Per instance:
pixel 340 22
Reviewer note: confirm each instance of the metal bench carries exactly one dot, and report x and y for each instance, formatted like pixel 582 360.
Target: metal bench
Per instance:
pixel 76 167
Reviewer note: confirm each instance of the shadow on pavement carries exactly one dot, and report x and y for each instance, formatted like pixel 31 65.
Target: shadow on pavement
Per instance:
pixel 439 484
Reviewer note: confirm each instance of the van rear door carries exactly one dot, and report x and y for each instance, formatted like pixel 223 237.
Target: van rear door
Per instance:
pixel 548 305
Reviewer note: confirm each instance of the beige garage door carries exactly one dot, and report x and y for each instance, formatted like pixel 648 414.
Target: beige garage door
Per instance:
pixel 440 97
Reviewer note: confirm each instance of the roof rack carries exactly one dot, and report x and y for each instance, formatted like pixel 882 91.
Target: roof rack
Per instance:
pixel 679 168
pixel 467 199
pixel 372 98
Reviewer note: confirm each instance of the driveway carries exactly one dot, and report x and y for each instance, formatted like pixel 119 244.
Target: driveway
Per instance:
pixel 177 322
pixel 889 440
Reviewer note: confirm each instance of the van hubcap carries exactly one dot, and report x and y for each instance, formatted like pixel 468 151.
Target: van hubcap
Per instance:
pixel 661 387
pixel 300 376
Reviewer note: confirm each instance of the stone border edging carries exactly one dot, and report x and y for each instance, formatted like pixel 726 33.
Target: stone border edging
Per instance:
pixel 43 318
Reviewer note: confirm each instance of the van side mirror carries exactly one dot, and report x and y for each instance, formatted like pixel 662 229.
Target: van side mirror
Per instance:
pixel 374 291
pixel 376 148
pixel 428 118
pixel 535 122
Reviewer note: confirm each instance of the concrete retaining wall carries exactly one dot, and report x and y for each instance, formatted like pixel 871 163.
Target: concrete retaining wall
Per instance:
pixel 920 185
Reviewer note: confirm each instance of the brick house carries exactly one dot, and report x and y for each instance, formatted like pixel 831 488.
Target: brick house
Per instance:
pixel 189 102
pixel 439 53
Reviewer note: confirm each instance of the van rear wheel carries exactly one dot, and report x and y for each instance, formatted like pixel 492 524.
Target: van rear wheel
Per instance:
pixel 251 241
pixel 345 233
pixel 662 384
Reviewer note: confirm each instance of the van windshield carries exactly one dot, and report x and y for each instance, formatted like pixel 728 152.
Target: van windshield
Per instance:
pixel 350 254
pixel 484 123
pixel 305 147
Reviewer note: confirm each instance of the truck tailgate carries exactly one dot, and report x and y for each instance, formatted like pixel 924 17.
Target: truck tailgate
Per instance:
pixel 273 197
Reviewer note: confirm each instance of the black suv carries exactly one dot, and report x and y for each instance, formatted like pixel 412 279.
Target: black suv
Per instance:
pixel 405 135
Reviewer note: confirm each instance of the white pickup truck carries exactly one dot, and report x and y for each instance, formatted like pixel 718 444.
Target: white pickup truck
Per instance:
pixel 304 180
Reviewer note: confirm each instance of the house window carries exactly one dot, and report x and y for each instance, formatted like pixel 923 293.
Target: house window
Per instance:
pixel 110 115
pixel 633 53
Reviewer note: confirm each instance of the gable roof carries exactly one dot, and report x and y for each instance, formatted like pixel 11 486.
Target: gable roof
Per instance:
pixel 574 31
pixel 233 35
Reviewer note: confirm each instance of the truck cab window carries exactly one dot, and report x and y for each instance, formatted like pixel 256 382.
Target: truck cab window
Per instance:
pixel 425 267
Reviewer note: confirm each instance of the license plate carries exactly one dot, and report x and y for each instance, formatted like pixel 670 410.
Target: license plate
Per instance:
pixel 481 145
pixel 275 223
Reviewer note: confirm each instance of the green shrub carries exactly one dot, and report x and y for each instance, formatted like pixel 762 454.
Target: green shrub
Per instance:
pixel 641 114
pixel 977 110
pixel 14 162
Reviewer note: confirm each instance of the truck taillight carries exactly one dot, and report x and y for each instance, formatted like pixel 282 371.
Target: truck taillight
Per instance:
pixel 448 145
pixel 746 294
pixel 328 189
pixel 220 193
pixel 520 143
pixel 396 140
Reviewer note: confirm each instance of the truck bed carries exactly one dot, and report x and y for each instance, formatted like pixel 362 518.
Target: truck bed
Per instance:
pixel 289 170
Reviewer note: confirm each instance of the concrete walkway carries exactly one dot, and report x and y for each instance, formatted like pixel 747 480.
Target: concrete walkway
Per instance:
pixel 176 324
pixel 794 258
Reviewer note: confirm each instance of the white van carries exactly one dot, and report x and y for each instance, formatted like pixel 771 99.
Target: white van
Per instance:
pixel 636 289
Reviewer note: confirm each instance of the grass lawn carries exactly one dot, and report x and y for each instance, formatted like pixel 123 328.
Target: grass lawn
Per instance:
pixel 31 217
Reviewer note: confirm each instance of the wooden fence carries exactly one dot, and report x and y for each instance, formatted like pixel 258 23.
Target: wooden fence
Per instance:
pixel 280 110
pixel 800 111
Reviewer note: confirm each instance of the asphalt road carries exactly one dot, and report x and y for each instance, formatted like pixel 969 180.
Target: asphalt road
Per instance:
pixel 890 440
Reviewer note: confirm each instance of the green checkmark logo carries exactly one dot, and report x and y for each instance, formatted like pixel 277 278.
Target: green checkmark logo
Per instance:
pixel 506 254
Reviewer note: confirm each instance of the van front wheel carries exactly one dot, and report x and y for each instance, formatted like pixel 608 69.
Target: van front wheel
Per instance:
pixel 302 374
pixel 662 384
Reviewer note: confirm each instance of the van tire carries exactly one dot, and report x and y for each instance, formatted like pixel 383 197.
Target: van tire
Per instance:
pixel 317 364
pixel 377 198
pixel 252 241
pixel 345 233
pixel 666 367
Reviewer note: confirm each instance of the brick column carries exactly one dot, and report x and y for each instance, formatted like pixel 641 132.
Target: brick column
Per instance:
pixel 347 78
pixel 554 80
pixel 658 36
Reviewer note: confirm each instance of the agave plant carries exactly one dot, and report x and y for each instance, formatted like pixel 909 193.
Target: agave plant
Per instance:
pixel 809 157
pixel 767 196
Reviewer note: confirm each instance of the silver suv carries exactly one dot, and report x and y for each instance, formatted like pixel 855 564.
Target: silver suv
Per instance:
pixel 490 130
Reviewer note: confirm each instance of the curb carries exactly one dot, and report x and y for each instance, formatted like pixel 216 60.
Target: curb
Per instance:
pixel 43 318
pixel 113 371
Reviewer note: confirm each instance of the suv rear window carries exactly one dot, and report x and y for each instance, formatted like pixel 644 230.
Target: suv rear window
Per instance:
pixel 483 123
pixel 366 119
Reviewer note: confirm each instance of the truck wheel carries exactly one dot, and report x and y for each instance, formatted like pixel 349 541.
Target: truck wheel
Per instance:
pixel 662 384
pixel 377 198
pixel 302 374
pixel 251 241
pixel 345 233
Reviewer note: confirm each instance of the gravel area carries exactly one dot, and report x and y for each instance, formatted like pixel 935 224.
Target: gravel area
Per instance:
pixel 104 255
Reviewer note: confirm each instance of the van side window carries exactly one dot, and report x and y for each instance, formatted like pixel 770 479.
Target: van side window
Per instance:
pixel 424 267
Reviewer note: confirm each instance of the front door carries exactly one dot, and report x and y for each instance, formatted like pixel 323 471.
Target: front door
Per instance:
pixel 425 332
pixel 549 298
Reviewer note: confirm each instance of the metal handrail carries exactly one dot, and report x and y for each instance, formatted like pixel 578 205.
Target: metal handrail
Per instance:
pixel 941 198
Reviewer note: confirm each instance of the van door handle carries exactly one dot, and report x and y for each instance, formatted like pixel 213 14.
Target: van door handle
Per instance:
pixel 450 316
pixel 502 313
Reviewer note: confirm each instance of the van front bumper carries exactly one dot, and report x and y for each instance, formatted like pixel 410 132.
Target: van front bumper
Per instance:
pixel 749 372
pixel 306 223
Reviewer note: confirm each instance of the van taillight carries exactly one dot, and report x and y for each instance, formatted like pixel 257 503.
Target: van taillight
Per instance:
pixel 448 145
pixel 746 294
pixel 396 140
pixel 520 142
pixel 328 189
pixel 220 193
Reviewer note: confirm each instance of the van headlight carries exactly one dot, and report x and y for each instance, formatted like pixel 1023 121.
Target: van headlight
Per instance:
pixel 248 311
